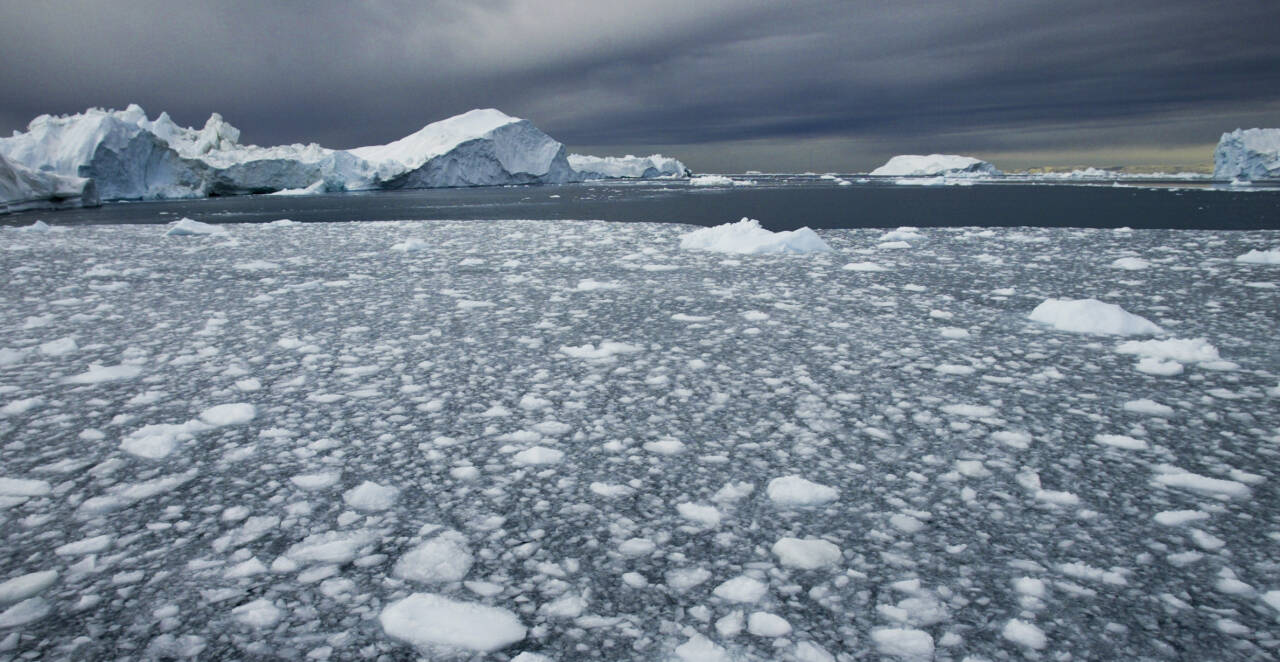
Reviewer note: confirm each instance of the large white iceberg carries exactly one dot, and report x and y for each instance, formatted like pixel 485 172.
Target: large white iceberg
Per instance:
pixel 934 165
pixel 477 148
pixel 23 188
pixel 1092 316
pixel 129 156
pixel 1248 154
pixel 627 167
pixel 747 237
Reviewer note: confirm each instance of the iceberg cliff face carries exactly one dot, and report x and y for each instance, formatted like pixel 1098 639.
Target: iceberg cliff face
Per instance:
pixel 629 167
pixel 129 156
pixel 934 165
pixel 1248 154
pixel 22 188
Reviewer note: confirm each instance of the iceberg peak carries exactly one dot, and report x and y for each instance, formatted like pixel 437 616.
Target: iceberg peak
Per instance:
pixel 1248 154
pixel 934 165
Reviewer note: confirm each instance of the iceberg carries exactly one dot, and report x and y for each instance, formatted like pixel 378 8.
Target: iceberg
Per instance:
pixel 130 157
pixel 627 167
pixel 935 165
pixel 1248 155
pixel 746 237
pixel 1093 317
pixel 22 188
pixel 483 147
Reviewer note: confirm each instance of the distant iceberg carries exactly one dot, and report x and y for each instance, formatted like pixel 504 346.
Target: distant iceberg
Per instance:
pixel 1248 155
pixel 627 167
pixel 128 156
pixel 22 188
pixel 935 165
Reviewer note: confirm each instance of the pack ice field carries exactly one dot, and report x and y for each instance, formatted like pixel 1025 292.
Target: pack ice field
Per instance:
pixel 583 440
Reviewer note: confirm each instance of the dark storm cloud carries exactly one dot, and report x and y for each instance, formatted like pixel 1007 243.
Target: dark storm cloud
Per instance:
pixel 831 82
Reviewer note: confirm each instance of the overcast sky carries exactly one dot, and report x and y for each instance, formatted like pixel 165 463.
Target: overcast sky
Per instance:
pixel 726 85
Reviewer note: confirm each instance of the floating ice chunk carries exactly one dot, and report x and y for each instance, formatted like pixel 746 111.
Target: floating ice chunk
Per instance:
pixel 903 233
pixel 591 285
pixel 731 624
pixel 1114 577
pixel 445 558
pixel 59 347
pixel 1029 586
pixel 538 455
pixel 953 332
pixel 1130 264
pixel 1186 480
pixel 190 228
pixel 863 266
pixel 260 613
pixel 1272 598
pixel 764 624
pixel 893 245
pixel 636 547
pixel 1260 257
pixel 97 374
pixel 610 491
pixel 370 496
pixel 665 446
pixel 1183 350
pixel 701 649
pixel 683 579
pixel 318 481
pixel 905 523
pixel 707 516
pixel 566 606
pixel 746 237
pixel 1121 441
pixel 1180 517
pixel 157 441
pixel 1023 633
pixel 970 411
pixel 711 180
pixel 1091 316
pixel 953 369
pixel 27 611
pixel 904 643
pixel 24 487
pixel 972 469
pixel 329 547
pixel 741 589
pixel 732 492
pixel 25 586
pixel 808 554
pixel 1149 407
pixel 91 545
pixel 796 491
pixel 606 351
pixel 427 619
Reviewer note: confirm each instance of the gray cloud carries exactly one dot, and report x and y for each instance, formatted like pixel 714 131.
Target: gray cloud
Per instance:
pixel 738 83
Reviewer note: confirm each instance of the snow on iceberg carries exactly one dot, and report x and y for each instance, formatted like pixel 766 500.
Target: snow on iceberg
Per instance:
pixel 1091 316
pixel 627 167
pixel 747 237
pixel 22 188
pixel 1260 257
pixel 935 165
pixel 1248 155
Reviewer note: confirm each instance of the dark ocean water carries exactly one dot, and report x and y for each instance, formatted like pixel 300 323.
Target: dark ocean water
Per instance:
pixel 779 203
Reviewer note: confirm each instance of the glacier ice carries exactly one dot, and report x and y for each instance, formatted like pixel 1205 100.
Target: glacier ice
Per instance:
pixel 748 238
pixel 1248 154
pixel 629 167
pixel 934 165
pixel 124 155
pixel 23 188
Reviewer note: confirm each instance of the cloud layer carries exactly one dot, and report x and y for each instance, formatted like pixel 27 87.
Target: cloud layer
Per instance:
pixel 740 83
